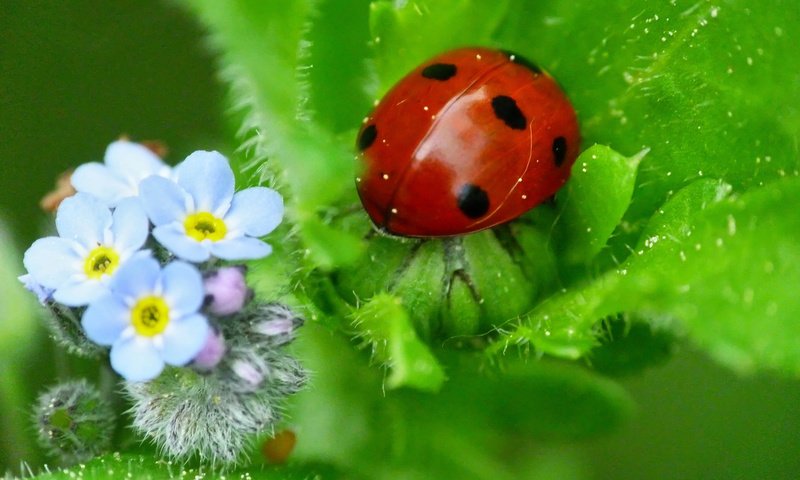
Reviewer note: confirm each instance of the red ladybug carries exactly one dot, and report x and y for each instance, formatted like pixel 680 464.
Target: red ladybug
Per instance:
pixel 470 139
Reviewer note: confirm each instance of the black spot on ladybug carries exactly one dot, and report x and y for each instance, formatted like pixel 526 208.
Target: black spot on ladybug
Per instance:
pixel 517 58
pixel 473 201
pixel 367 137
pixel 506 109
pixel 439 71
pixel 559 150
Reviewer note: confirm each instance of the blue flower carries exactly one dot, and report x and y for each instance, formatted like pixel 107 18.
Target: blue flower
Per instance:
pixel 92 244
pixel 149 318
pixel 198 215
pixel 126 164
pixel 43 294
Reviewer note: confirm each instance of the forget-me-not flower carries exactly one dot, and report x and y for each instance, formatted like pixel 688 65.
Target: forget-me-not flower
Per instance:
pixel 149 317
pixel 125 165
pixel 198 215
pixel 43 294
pixel 92 244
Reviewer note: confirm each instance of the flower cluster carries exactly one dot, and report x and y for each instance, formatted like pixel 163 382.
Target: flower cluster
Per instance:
pixel 136 251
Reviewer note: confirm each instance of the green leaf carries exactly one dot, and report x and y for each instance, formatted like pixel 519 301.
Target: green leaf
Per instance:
pixel 260 42
pixel 385 324
pixel 328 247
pixel 593 202
pixel 726 269
pixel 565 324
pixel 736 290
pixel 336 66
pixel 407 33
pixel 145 467
pixel 465 431
pixel 549 401
pixel 631 344
pixel 271 277
pixel 710 87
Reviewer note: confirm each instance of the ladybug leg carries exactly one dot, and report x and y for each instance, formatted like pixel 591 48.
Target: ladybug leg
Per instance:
pixel 507 240
pixel 456 266
pixel 404 266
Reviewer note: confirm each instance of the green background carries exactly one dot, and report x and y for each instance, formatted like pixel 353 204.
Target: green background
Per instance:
pixel 75 75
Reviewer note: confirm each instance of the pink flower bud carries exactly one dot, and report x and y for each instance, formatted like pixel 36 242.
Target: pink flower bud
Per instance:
pixel 226 290
pixel 248 373
pixel 211 353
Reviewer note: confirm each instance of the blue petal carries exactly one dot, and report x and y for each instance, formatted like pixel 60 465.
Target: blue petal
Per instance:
pixel 137 277
pixel 42 293
pixel 182 288
pixel 96 179
pixel 136 359
pixel 84 219
pixel 130 225
pixel 105 320
pixel 52 261
pixel 139 254
pixel 132 161
pixel 257 211
pixel 208 178
pixel 79 291
pixel 173 238
pixel 163 200
pixel 241 248
pixel 184 338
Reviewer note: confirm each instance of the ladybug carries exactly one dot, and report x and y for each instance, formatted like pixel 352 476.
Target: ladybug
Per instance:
pixel 470 139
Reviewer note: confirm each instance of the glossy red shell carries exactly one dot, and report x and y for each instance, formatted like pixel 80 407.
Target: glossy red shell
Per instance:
pixel 470 139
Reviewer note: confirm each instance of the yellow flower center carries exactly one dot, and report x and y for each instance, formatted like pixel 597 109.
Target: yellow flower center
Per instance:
pixel 150 316
pixel 203 225
pixel 101 261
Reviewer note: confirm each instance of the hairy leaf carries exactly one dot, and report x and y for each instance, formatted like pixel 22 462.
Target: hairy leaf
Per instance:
pixel 464 431
pixel 593 202
pixel 385 325
pixel 407 33
pixel 694 81
pixel 262 57
pixel 147 467
pixel 726 269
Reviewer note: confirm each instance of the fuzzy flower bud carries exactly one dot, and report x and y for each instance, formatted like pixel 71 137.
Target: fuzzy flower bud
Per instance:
pixel 74 422
pixel 212 416
pixel 226 290
pixel 248 374
pixel 211 353
pixel 274 323
pixel 65 328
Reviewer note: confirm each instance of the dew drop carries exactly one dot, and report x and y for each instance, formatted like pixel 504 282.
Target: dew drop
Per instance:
pixel 731 225
pixel 747 296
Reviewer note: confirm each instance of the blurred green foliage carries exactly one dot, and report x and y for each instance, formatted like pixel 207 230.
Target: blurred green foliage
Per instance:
pixel 700 242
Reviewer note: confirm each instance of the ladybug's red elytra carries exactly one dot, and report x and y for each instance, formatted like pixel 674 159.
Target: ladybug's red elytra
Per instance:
pixel 470 139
